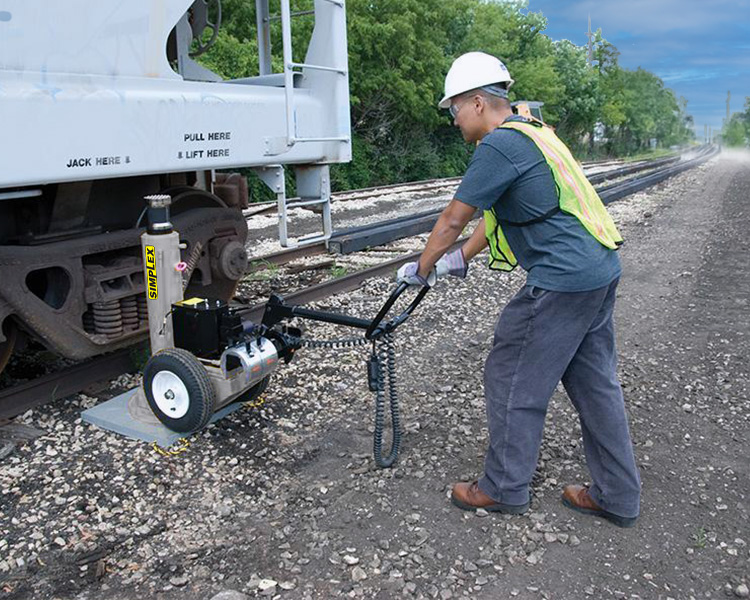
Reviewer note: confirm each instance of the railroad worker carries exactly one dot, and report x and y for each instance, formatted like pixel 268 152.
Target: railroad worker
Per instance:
pixel 540 212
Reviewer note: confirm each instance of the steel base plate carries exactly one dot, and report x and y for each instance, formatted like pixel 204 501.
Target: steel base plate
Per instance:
pixel 118 415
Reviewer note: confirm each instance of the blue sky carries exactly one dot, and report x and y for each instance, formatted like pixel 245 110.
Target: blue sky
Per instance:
pixel 699 48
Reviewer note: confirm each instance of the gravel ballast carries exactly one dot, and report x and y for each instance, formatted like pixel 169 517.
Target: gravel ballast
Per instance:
pixel 282 500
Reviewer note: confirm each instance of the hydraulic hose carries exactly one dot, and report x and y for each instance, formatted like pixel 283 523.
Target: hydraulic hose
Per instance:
pixel 386 355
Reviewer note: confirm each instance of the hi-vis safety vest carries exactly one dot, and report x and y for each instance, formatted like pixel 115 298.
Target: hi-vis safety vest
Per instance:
pixel 576 197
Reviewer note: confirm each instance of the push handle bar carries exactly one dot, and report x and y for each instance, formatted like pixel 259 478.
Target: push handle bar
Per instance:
pixel 378 328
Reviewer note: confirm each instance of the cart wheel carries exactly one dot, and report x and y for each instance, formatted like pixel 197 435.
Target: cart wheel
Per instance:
pixel 178 390
pixel 254 392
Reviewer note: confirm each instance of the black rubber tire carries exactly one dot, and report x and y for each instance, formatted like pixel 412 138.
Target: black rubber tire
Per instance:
pixel 254 392
pixel 190 372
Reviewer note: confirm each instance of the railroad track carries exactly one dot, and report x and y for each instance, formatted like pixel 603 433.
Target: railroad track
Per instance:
pixel 366 193
pixel 268 207
pixel 18 399
pixel 355 239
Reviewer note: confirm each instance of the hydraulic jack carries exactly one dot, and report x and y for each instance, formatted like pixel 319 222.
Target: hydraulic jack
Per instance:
pixel 204 356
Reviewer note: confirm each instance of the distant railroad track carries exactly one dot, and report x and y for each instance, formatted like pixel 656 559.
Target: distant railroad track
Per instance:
pixel 269 206
pixel 395 226
pixel 18 399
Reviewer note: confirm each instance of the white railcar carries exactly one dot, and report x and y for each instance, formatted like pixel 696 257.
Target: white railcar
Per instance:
pixel 102 103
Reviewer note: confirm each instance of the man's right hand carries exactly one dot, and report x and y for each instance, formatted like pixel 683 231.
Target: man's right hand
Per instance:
pixel 452 263
pixel 409 274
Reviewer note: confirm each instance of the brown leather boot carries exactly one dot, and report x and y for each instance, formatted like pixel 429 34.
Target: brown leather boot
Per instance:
pixel 468 496
pixel 577 498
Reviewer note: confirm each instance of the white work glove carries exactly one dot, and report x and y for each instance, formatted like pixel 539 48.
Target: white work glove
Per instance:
pixel 409 273
pixel 452 263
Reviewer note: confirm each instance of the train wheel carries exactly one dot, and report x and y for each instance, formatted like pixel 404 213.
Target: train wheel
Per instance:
pixel 219 267
pixel 179 390
pixel 6 347
pixel 186 198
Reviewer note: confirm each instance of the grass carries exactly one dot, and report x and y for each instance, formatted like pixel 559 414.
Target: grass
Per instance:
pixel 699 538
pixel 262 274
pixel 338 271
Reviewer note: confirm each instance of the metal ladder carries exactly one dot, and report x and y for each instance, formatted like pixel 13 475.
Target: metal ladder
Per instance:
pixel 313 181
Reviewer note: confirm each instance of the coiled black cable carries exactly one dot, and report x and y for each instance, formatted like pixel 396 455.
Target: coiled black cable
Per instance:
pixel 353 342
pixel 387 355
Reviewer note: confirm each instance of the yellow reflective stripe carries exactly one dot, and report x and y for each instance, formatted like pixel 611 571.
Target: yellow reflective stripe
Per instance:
pixel 563 170
pixel 561 166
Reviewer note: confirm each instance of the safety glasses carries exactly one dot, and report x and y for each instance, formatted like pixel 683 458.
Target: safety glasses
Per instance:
pixel 454 108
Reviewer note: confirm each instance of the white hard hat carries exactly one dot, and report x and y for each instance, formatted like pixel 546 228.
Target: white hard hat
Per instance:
pixel 473 70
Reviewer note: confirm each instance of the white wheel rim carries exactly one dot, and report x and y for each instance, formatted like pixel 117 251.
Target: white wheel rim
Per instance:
pixel 170 394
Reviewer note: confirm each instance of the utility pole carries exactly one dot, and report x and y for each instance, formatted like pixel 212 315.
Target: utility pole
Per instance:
pixel 590 35
pixel 705 133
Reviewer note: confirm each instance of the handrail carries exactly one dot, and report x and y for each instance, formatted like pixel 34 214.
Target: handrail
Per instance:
pixel 286 42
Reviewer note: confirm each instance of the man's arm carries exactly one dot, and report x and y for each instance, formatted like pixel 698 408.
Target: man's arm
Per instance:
pixel 449 226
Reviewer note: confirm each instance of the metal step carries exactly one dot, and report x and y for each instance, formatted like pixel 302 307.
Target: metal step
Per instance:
pixel 314 189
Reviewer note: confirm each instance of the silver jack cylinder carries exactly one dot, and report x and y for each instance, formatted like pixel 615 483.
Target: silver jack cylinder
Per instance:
pixel 257 358
pixel 162 271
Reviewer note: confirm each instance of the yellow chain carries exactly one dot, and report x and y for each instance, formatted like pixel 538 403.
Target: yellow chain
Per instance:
pixel 171 451
pixel 260 401
pixel 185 444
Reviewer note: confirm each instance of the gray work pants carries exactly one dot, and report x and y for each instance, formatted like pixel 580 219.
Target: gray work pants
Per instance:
pixel 543 337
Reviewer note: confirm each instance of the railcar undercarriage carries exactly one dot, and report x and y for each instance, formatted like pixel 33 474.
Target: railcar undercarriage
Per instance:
pixel 114 107
pixel 75 281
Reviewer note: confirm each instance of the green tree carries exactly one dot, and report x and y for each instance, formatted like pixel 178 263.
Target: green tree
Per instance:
pixel 736 132
pixel 501 29
pixel 579 106
pixel 400 51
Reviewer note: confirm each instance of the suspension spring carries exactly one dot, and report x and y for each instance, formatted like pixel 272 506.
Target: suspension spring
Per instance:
pixel 107 318
pixel 129 308
pixel 142 304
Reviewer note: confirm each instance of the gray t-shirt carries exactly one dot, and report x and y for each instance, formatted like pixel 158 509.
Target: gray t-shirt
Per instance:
pixel 509 172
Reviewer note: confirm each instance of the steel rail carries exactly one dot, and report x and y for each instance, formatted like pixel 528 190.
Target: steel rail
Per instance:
pixel 260 263
pixel 630 169
pixel 18 399
pixel 616 191
pixel 339 285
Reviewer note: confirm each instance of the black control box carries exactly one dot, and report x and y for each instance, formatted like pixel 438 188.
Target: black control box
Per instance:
pixel 205 326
